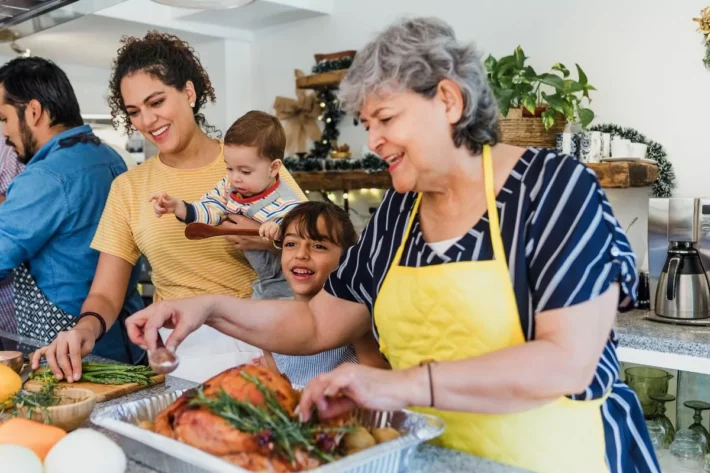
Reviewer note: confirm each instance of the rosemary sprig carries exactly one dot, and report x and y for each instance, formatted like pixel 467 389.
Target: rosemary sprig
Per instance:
pixel 30 401
pixel 272 424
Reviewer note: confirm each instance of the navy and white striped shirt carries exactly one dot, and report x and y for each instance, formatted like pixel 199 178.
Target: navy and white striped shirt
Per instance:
pixel 564 247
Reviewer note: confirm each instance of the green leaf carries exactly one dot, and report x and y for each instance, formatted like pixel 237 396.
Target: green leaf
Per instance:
pixel 530 103
pixel 553 81
pixel 568 110
pixel 504 98
pixel 572 87
pixel 519 57
pixel 506 82
pixel 548 118
pixel 530 74
pixel 490 63
pixel 585 116
pixel 582 76
pixel 561 67
pixel 556 102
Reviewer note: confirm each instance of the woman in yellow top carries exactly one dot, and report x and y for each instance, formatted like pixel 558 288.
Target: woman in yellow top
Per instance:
pixel 158 88
pixel 492 275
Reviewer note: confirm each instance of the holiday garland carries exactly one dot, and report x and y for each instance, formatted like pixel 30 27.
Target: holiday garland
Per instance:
pixel 327 65
pixel 704 27
pixel 665 184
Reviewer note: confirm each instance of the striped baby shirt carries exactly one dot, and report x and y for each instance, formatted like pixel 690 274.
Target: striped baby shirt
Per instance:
pixel 271 204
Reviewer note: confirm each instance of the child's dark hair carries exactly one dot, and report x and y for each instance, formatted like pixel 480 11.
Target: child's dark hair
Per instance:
pixel 260 130
pixel 167 58
pixel 339 229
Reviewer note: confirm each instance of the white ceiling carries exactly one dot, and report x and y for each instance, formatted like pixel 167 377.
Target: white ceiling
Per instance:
pixel 91 40
pixel 255 16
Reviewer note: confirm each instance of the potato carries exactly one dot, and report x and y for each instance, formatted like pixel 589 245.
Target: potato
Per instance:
pixel 358 440
pixel 146 424
pixel 385 434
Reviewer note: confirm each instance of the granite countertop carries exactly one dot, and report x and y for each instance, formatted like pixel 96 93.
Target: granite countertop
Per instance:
pixel 634 331
pixel 427 458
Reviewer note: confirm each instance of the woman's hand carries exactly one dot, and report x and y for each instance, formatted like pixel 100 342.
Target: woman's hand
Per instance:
pixel 64 354
pixel 184 316
pixel 351 385
pixel 242 243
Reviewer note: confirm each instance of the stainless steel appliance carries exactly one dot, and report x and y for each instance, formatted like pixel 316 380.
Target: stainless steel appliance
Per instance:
pixel 679 260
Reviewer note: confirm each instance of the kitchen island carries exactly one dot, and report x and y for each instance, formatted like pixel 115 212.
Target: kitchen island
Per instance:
pixel 427 458
pixel 670 346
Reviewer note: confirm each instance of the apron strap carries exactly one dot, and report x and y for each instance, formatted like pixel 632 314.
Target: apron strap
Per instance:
pixel 493 223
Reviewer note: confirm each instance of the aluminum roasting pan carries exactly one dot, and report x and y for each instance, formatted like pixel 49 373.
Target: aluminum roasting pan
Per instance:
pixel 168 455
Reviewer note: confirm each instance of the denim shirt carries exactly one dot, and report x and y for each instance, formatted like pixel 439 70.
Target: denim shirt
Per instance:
pixel 49 219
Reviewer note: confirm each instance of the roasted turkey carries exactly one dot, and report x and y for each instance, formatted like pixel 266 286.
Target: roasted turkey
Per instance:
pixel 199 427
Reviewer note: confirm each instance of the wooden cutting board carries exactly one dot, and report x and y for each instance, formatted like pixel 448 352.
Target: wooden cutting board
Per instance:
pixel 104 392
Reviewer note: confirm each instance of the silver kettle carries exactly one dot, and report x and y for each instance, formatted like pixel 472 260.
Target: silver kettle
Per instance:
pixel 683 290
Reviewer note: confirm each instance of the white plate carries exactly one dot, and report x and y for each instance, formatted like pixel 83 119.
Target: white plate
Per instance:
pixel 628 160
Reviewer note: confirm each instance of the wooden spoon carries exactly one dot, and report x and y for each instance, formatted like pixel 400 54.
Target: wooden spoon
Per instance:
pixel 200 231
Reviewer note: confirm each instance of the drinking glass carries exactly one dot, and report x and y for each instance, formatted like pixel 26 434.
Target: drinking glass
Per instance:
pixel 662 419
pixel 686 456
pixel 645 381
pixel 692 436
pixel 657 435
pixel 699 407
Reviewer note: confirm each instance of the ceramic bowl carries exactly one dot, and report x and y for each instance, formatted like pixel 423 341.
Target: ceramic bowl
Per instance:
pixel 13 359
pixel 72 412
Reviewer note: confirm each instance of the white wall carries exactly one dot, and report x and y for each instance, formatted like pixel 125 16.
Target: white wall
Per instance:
pixel 644 56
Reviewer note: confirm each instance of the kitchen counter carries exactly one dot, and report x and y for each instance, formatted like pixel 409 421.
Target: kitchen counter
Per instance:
pixel 671 346
pixel 427 458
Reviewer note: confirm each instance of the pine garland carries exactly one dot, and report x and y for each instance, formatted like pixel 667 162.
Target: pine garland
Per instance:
pixel 666 182
pixel 368 163
pixel 331 116
pixel 327 65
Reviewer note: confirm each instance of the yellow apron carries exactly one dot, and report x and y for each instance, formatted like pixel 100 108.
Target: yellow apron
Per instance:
pixel 466 309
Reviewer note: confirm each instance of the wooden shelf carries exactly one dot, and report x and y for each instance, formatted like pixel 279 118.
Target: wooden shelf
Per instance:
pixel 622 175
pixel 326 79
pixel 619 175
pixel 342 180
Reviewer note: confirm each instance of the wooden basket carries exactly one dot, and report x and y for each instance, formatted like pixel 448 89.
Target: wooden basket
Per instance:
pixel 528 131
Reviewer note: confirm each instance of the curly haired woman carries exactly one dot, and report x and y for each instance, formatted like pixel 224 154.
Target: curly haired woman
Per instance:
pixel 158 87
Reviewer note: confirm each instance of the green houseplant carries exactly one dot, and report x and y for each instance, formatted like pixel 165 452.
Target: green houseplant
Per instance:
pixel 551 96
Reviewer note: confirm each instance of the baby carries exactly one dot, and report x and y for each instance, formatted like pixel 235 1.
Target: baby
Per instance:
pixel 315 235
pixel 253 151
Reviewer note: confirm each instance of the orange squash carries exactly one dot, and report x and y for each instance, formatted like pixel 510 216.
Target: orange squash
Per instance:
pixel 39 438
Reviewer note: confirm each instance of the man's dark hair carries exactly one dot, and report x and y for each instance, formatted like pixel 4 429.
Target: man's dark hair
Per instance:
pixel 339 229
pixel 28 78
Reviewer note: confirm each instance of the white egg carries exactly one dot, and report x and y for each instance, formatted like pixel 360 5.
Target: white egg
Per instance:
pixel 85 451
pixel 17 459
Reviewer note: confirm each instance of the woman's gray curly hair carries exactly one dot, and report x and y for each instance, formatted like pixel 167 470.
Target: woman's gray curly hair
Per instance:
pixel 416 54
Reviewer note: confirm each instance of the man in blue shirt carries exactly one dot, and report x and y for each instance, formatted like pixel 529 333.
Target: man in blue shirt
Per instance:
pixel 53 207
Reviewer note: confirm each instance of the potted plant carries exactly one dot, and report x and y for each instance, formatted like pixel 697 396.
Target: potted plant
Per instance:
pixel 535 107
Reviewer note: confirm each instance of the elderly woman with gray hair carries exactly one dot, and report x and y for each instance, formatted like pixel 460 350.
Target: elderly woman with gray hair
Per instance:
pixel 491 276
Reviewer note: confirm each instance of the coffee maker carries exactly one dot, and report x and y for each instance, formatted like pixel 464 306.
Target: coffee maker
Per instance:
pixel 679 260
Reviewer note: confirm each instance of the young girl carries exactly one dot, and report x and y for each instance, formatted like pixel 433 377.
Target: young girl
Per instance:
pixel 314 237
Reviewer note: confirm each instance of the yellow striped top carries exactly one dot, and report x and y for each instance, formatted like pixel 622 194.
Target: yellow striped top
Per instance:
pixel 181 267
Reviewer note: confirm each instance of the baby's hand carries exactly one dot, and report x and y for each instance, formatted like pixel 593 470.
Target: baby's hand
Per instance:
pixel 269 230
pixel 163 204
